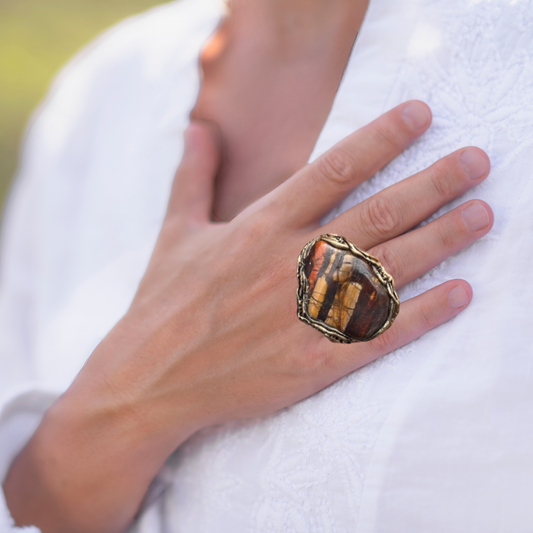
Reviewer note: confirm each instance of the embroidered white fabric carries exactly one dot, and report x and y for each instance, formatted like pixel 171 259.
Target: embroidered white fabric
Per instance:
pixel 434 437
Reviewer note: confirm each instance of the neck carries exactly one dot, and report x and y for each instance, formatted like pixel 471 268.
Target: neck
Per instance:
pixel 295 27
pixel 270 75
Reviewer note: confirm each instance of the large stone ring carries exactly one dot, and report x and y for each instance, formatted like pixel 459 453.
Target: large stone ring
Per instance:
pixel 344 292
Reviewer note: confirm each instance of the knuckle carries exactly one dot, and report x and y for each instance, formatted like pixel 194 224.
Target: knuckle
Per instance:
pixel 317 359
pixel 388 341
pixel 428 318
pixel 382 215
pixel 391 138
pixel 446 236
pixel 338 167
pixel 310 361
pixel 255 229
pixel 246 235
pixel 441 179
pixel 260 231
pixel 390 260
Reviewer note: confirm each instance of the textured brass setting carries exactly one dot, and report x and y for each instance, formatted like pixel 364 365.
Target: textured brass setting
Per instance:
pixel 343 292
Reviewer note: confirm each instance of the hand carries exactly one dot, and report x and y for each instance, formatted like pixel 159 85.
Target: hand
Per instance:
pixel 212 334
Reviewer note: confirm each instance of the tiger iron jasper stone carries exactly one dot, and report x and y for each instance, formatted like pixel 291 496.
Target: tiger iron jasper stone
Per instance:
pixel 344 292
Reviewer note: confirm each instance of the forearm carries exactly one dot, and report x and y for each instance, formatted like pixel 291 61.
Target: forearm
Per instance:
pixel 87 467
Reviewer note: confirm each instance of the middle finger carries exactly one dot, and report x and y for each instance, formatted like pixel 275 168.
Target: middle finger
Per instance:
pixel 404 205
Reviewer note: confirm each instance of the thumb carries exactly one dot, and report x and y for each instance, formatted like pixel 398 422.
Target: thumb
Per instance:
pixel 193 188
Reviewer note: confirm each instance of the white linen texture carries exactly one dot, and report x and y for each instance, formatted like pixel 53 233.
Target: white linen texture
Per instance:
pixel 435 437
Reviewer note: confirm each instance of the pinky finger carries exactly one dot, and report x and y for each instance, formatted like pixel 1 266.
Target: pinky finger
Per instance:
pixel 417 316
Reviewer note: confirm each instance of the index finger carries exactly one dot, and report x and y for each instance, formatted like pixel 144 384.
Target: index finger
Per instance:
pixel 317 188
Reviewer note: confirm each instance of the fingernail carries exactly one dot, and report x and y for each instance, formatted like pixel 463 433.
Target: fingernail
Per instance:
pixel 416 115
pixel 457 297
pixel 474 163
pixel 476 217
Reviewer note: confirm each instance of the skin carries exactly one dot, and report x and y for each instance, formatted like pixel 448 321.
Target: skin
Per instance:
pixel 269 61
pixel 181 360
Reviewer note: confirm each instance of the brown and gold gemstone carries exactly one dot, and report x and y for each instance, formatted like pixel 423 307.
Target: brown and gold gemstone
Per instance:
pixel 344 292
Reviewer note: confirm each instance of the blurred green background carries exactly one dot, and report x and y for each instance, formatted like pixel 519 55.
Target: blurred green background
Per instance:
pixel 36 38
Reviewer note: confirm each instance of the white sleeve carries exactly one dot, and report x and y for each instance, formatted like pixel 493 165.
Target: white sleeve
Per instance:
pixel 21 405
pixel 22 400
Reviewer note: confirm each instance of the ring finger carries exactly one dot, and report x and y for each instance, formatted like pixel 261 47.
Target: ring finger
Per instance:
pixel 411 255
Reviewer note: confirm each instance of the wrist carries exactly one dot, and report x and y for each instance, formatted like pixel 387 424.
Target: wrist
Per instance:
pixel 79 475
pixel 89 464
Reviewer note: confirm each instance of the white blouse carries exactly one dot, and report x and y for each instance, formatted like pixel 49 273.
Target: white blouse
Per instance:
pixel 436 437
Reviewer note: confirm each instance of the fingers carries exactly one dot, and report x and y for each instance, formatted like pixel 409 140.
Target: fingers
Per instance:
pixel 422 314
pixel 192 191
pixel 321 185
pixel 400 207
pixel 417 316
pixel 415 253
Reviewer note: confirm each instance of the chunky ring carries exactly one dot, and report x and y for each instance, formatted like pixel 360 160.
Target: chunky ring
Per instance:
pixel 344 292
